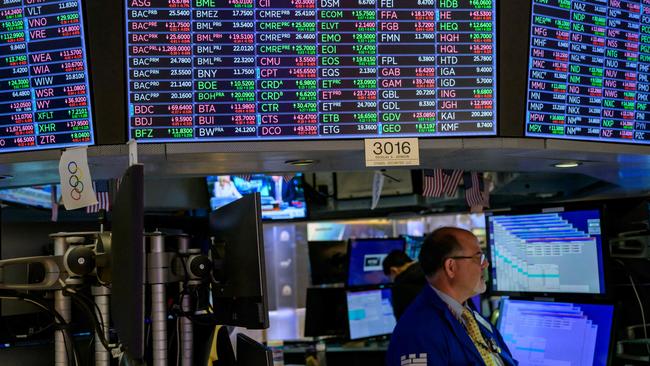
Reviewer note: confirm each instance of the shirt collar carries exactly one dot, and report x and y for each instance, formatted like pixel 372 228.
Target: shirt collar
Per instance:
pixel 455 307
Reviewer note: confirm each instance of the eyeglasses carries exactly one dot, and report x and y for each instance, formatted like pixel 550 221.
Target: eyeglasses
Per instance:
pixel 482 256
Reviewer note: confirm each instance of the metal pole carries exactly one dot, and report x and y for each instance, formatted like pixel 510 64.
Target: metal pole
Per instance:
pixel 102 299
pixel 158 306
pixel 186 333
pixel 62 304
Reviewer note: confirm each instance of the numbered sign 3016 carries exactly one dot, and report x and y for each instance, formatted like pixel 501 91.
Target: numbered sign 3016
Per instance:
pixel 392 152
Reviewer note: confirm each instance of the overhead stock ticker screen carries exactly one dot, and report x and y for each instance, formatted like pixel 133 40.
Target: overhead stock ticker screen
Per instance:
pixel 224 70
pixel 44 89
pixel 589 70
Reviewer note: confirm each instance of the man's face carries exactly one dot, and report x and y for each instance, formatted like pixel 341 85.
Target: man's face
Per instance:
pixel 470 280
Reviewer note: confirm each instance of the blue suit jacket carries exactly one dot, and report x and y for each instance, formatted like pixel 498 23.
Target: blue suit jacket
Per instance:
pixel 428 330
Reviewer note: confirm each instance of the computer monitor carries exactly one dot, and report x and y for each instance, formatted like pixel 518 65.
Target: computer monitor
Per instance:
pixel 328 261
pixel 370 313
pixel 127 255
pixel 34 196
pixel 325 313
pixel 365 259
pixel 239 292
pixel 281 199
pixel 252 353
pixel 557 333
pixel 549 251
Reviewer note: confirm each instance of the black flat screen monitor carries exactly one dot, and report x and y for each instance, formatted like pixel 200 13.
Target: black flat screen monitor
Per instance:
pixel 325 313
pixel 128 262
pixel 252 353
pixel 557 251
pixel 370 313
pixel 239 296
pixel 258 71
pixel 557 333
pixel 328 261
pixel 589 71
pixel 365 260
pixel 44 80
pixel 281 198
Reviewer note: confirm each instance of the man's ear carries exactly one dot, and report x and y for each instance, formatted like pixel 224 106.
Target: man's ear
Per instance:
pixel 450 267
pixel 394 271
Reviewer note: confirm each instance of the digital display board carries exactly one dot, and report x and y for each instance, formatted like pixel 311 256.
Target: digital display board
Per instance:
pixel 225 70
pixel 589 70
pixel 44 84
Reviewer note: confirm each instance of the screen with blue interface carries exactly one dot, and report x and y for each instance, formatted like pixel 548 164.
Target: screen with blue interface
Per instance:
pixel 35 196
pixel 226 70
pixel 589 70
pixel 366 257
pixel 44 81
pixel 413 245
pixel 370 313
pixel 548 333
pixel 547 252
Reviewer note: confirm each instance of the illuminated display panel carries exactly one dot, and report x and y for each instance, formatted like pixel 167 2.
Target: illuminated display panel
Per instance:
pixel 558 252
pixel 224 70
pixel 589 70
pixel 544 333
pixel 44 84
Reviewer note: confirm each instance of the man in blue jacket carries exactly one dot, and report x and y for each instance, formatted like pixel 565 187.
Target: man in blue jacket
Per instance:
pixel 438 328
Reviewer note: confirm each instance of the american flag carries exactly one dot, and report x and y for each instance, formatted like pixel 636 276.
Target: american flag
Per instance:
pixel 288 177
pixel 103 198
pixel 476 194
pixel 452 179
pixel 55 203
pixel 438 181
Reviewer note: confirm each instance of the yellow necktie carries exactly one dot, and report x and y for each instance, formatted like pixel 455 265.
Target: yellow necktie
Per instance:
pixel 477 338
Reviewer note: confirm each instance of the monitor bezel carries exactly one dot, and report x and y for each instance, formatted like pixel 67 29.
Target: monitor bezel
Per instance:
pixel 91 85
pixel 128 262
pixel 549 208
pixel 349 258
pixel 233 305
pixel 577 300
pixel 367 289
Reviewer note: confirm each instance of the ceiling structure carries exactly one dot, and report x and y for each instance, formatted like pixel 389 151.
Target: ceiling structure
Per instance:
pixel 525 166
